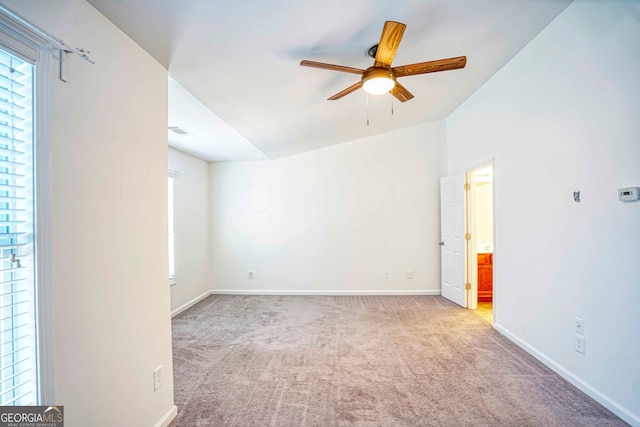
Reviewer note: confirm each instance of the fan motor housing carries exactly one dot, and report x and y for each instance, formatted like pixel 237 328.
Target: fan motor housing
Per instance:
pixel 378 73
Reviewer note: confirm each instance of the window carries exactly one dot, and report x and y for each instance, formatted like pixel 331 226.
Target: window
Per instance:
pixel 19 372
pixel 172 264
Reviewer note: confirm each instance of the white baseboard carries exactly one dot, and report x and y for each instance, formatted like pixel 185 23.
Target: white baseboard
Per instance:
pixel 328 293
pixel 190 304
pixel 622 412
pixel 168 417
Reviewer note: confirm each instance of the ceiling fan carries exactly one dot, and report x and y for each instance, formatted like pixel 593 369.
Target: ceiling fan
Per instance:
pixel 381 78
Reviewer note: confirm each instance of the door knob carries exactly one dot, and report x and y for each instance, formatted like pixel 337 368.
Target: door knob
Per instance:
pixel 441 243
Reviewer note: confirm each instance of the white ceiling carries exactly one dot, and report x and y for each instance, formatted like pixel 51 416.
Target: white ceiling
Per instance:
pixel 240 60
pixel 211 138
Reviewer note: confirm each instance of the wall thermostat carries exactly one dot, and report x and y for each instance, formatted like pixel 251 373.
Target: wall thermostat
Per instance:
pixel 629 194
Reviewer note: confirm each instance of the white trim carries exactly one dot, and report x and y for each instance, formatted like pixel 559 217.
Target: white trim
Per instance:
pixel 190 304
pixel 622 412
pixel 329 293
pixel 167 417
pixel 480 165
pixel 43 225
pixel 23 33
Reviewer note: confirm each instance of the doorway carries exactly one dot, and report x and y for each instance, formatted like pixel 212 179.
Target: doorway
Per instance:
pixel 480 249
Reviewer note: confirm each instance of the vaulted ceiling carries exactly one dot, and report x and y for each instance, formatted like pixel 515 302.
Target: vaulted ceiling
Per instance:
pixel 240 62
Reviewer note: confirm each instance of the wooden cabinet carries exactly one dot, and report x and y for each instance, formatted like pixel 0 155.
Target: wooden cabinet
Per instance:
pixel 485 277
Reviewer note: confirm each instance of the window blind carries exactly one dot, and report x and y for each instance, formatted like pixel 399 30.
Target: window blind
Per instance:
pixel 18 340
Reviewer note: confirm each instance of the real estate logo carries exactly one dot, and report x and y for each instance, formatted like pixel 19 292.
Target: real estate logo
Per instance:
pixel 31 416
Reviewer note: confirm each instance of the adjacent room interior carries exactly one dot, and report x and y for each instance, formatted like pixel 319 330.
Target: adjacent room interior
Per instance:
pixel 481 229
pixel 278 192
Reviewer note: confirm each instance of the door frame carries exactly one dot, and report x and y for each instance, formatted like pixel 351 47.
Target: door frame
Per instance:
pixel 472 244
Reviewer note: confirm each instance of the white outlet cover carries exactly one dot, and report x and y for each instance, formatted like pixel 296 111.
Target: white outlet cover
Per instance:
pixel 157 378
pixel 580 344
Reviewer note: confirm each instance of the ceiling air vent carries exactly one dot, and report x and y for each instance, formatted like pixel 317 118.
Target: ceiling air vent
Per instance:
pixel 179 130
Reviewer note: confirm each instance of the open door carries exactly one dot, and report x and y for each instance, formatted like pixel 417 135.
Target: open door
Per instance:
pixel 452 238
pixel 480 224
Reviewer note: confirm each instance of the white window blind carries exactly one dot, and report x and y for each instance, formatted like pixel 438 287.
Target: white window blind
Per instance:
pixel 18 339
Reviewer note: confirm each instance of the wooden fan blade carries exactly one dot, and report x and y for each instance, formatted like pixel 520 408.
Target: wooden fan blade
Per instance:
pixel 392 33
pixel 333 67
pixel 430 66
pixel 347 91
pixel 401 93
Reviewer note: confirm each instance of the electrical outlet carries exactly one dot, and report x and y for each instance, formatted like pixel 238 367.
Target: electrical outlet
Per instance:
pixel 387 274
pixel 579 326
pixel 579 343
pixel 409 274
pixel 157 378
pixel 251 275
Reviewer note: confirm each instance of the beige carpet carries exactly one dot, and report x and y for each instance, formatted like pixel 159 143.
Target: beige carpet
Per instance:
pixel 361 361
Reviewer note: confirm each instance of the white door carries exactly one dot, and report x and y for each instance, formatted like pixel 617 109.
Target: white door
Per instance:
pixel 452 229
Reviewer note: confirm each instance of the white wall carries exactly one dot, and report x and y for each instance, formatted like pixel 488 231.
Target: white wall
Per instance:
pixel 332 220
pixel 111 316
pixel 191 222
pixel 563 116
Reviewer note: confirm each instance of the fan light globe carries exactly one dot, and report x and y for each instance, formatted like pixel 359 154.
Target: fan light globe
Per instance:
pixel 378 81
pixel 379 85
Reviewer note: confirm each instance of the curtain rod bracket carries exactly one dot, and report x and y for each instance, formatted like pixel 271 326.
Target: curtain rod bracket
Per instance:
pixel 82 53
pixel 62 69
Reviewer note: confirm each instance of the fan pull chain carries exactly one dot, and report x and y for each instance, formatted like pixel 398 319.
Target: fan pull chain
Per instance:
pixel 367 109
pixel 392 105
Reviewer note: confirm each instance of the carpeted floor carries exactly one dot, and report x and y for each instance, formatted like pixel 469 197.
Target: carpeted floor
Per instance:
pixel 361 361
